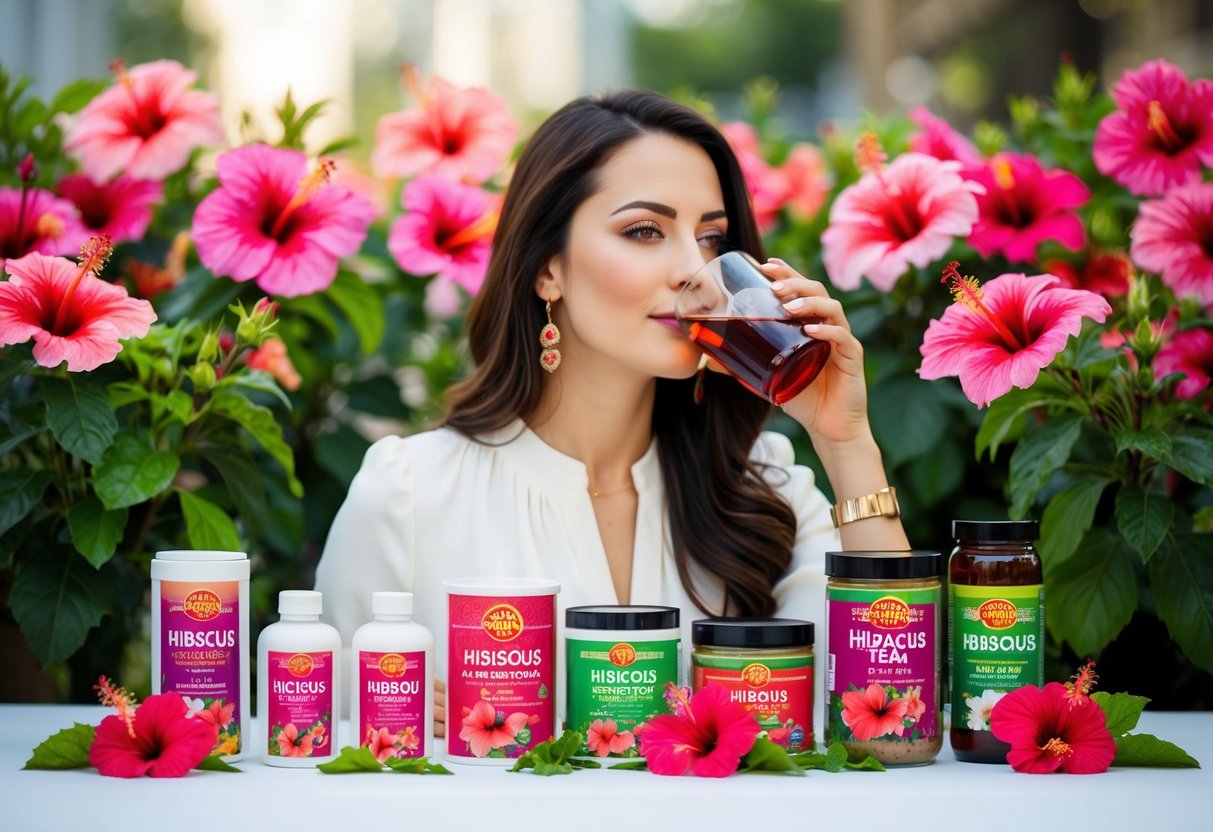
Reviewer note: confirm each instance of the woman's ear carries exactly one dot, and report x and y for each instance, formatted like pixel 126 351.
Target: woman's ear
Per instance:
pixel 550 282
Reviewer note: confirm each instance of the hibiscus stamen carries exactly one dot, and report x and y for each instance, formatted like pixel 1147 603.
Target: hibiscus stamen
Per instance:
pixel 1082 683
pixel 967 292
pixel 1161 125
pixel 1003 175
pixel 484 227
pixel 677 699
pixel 869 154
pixel 115 697
pixel 308 186
pixel 93 256
pixel 1057 747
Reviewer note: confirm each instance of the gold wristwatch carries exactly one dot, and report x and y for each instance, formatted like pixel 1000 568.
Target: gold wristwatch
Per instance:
pixel 882 503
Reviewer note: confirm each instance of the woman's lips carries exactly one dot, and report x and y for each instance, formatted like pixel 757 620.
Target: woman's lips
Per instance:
pixel 669 322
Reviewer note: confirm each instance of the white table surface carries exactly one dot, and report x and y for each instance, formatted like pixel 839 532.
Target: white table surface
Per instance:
pixel 945 795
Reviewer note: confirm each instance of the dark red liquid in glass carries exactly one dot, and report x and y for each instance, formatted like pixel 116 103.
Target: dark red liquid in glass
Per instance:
pixel 771 356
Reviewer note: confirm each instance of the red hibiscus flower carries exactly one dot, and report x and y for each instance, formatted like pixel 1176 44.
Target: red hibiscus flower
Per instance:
pixel 1162 132
pixel 158 740
pixel 708 739
pixel 1001 335
pixel 1189 352
pixel 1025 205
pixel 121 208
pixel 32 219
pixel 218 713
pixel 1172 238
pixel 603 737
pixel 1104 272
pixel 870 713
pixel 1053 730
pixel 71 314
pixel 447 229
pixel 485 729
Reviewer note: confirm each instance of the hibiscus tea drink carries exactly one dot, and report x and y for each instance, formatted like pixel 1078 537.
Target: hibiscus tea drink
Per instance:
pixel 299 684
pixel 392 690
pixel 200 638
pixel 501 667
pixel 766 664
pixel 618 661
pixel 996 628
pixel 883 675
pixel 772 357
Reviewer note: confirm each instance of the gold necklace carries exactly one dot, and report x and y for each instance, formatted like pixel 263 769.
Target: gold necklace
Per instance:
pixel 593 493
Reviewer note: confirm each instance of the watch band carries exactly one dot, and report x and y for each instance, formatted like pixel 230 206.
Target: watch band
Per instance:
pixel 882 503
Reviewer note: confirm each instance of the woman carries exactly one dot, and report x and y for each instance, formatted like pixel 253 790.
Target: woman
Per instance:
pixel 618 473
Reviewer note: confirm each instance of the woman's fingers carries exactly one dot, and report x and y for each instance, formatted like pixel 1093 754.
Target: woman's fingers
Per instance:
pixel 825 309
pixel 439 708
pixel 847 351
pixel 788 283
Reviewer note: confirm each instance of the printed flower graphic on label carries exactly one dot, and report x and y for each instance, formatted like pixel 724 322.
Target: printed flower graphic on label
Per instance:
pixel 392 665
pixel 870 713
pixel 980 708
pixel 299 665
pixel 486 730
pixel 604 738
pixel 502 622
pixel 622 655
pixel 202 605
pixel 998 614
pixel 889 613
pixel 756 675
pixel 289 741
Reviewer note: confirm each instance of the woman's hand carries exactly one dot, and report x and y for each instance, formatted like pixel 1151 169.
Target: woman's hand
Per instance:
pixel 439 708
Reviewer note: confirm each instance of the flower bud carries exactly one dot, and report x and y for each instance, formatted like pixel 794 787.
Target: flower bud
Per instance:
pixel 1146 339
pixel 1139 297
pixel 209 349
pixel 27 170
pixel 989 138
pixel 203 376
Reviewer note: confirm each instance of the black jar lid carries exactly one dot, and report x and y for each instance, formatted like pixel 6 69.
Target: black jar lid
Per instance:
pixel 621 617
pixel 995 531
pixel 752 632
pixel 890 565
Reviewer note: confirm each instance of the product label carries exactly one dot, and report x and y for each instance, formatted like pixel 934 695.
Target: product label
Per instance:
pixel 997 645
pixel 778 691
pixel 883 667
pixel 200 652
pixel 500 692
pixel 613 686
pixel 300 711
pixel 391 691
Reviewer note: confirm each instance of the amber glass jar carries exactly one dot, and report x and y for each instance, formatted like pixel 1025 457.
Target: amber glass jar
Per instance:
pixel 996 627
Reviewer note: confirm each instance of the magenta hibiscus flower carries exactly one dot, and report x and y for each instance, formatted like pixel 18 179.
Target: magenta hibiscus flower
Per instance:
pixel 159 738
pixel 1024 205
pixel 707 738
pixel 1189 352
pixel 1053 730
pixel 1162 132
pixel 121 208
pixel 146 124
pixel 1001 335
pixel 71 314
pixel 769 188
pixel 446 229
pixel 870 713
pixel 273 221
pixel 1173 237
pixel 907 213
pixel 32 219
pixel 941 140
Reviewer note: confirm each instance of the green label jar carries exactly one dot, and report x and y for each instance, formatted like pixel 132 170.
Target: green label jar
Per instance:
pixel 619 660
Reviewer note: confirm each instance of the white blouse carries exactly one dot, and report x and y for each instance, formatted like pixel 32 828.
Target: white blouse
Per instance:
pixel 436 505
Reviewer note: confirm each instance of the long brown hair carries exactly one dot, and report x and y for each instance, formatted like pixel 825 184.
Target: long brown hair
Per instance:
pixel 724 517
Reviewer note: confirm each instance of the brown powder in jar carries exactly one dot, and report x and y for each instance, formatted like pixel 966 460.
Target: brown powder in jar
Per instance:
pixel 893 752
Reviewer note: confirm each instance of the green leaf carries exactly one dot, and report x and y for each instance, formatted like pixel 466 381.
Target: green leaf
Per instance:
pixel 1192 454
pixel 937 475
pixel 1037 456
pixel 415 765
pixel 1148 750
pixel 868 763
pixel 20 491
pixel 80 416
pixel 65 750
pixel 259 421
pixel 1143 518
pixel 207 526
pixel 1005 420
pixel 553 756
pixel 19 435
pixel 243 480
pixel 768 756
pixel 362 308
pixel 260 381
pixel 908 417
pixel 632 765
pixel 95 531
pixel 1067 518
pixel 1151 441
pixel 352 761
pixel 1092 594
pixel 1122 710
pixel 57 598
pixel 75 95
pixel 215 763
pixel 132 471
pixel 1181 577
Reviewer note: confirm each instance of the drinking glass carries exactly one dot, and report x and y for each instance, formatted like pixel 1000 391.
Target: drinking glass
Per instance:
pixel 728 310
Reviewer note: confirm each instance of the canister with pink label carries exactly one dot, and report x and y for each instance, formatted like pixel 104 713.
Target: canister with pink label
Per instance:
pixel 501 668
pixel 200 638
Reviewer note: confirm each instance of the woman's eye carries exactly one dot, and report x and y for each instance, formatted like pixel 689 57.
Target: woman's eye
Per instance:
pixel 713 241
pixel 643 231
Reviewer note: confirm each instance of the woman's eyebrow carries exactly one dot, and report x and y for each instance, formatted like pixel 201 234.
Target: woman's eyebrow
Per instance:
pixel 655 207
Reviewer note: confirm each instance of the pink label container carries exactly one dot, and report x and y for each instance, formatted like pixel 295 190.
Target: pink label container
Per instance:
pixel 501 669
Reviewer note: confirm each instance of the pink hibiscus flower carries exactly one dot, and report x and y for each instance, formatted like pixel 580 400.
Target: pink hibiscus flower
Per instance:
pixel 407 739
pixel 871 713
pixel 483 731
pixel 939 139
pixel 274 222
pixel 382 743
pixel 273 358
pixel 1051 730
pixel 1024 205
pixel 808 179
pixel 461 134
pixel 71 314
pixel 447 229
pixel 915 707
pixel 1104 272
pixel 907 213
pixel 32 219
pixel 156 739
pixel 1189 352
pixel 121 208
pixel 603 737
pixel 1001 335
pixel 708 738
pixel 1173 237
pixel 218 713
pixel 1162 132
pixel 769 188
pixel 146 124
pixel 294 743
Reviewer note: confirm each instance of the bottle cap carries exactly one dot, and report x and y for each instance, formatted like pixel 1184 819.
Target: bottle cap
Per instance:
pixel 996 531
pixel 891 565
pixel 752 632
pixel 392 603
pixel 299 602
pixel 612 617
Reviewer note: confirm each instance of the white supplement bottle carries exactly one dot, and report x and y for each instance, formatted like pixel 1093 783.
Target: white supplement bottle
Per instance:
pixel 392 684
pixel 298 684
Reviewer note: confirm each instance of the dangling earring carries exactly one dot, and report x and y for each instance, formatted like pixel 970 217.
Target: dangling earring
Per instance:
pixel 549 337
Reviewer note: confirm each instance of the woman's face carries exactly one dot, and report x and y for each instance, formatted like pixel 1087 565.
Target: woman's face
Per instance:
pixel 656 218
